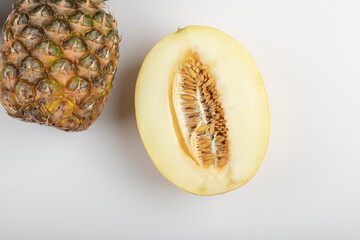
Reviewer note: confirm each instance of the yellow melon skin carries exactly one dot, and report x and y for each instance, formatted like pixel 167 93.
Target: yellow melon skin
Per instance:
pixel 242 96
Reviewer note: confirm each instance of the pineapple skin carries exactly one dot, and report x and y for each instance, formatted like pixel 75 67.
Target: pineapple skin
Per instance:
pixel 58 61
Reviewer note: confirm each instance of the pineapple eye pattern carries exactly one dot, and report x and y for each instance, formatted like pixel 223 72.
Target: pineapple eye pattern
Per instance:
pixel 59 58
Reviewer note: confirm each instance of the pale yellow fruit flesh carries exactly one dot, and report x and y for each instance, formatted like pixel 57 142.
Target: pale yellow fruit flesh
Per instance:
pixel 241 93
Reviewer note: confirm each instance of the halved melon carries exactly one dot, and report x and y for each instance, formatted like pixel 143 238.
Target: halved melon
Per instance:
pixel 202 111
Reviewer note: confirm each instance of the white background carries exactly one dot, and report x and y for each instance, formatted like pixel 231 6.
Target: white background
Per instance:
pixel 101 184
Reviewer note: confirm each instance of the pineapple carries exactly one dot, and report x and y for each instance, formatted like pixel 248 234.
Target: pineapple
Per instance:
pixel 58 61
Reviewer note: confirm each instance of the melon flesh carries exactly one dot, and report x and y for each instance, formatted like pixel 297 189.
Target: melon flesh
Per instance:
pixel 241 94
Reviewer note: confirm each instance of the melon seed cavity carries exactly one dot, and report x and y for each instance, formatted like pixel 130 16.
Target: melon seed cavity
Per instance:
pixel 199 114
